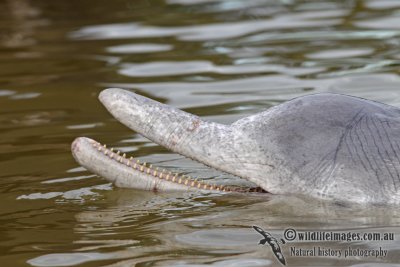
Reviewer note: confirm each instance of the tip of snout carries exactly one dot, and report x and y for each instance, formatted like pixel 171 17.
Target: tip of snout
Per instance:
pixel 109 95
pixel 76 144
pixel 118 100
pixel 79 144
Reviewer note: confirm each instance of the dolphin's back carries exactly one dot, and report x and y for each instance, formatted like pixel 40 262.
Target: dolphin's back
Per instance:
pixel 334 146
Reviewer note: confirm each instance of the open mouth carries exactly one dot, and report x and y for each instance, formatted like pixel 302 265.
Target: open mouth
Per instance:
pixel 129 172
pixel 289 149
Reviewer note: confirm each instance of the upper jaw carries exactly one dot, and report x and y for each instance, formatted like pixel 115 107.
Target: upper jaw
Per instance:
pixel 181 132
pixel 210 143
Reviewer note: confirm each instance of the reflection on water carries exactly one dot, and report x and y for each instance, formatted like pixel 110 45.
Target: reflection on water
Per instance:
pixel 189 225
pixel 213 31
pixel 220 59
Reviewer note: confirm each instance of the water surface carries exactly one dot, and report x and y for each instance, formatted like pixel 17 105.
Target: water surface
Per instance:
pixel 222 60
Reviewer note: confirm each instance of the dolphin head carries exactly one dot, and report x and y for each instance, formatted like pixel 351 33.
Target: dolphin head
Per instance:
pixel 325 145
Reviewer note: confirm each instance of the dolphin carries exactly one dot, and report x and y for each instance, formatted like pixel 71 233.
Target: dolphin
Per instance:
pixel 325 146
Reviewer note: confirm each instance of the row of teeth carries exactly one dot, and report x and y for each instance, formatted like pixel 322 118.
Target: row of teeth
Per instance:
pixel 168 176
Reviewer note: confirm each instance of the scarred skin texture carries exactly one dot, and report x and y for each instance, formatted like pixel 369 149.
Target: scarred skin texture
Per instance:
pixel 327 146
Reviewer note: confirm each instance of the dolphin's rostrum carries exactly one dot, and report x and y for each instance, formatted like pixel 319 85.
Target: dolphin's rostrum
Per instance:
pixel 327 146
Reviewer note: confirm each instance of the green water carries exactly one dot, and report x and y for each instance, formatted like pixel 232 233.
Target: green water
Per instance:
pixel 222 60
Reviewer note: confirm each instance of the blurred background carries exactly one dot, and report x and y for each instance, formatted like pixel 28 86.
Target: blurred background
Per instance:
pixel 219 59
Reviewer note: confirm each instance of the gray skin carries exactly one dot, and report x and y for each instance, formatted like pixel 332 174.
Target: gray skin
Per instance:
pixel 326 146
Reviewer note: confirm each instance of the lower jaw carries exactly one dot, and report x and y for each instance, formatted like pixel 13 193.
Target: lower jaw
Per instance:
pixel 128 172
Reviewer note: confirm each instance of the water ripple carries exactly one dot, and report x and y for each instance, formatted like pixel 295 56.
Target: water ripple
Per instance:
pixel 76 194
pixel 219 59
pixel 210 31
pixel 154 69
pixel 68 259
pixel 139 48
